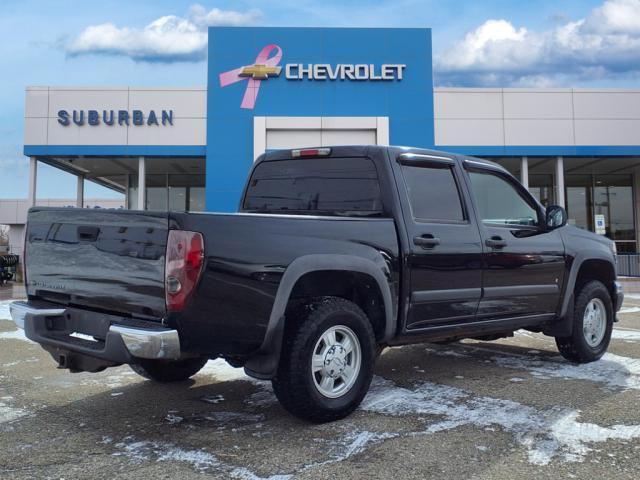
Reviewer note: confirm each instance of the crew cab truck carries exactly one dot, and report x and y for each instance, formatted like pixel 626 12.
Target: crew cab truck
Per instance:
pixel 335 254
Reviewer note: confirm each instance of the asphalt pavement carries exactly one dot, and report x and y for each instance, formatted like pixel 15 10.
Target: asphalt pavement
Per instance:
pixel 506 409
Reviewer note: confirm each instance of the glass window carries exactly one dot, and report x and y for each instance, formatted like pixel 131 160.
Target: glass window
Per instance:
pixel 318 185
pixel 196 199
pixel 613 198
pixel 186 192
pixel 433 193
pixel 156 192
pixel 177 199
pixel 578 200
pixel 499 202
pixel 541 187
pixel 175 192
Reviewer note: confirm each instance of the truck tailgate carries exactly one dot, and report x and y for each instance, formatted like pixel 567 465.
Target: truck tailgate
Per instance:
pixel 111 260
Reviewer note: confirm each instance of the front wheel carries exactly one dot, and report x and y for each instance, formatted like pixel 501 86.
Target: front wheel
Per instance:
pixel 327 360
pixel 592 325
pixel 168 370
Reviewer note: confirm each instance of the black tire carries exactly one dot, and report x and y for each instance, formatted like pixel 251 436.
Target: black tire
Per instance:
pixel 165 371
pixel 575 347
pixel 294 383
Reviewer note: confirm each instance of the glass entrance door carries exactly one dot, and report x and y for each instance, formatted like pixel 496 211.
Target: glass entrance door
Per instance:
pixel 608 195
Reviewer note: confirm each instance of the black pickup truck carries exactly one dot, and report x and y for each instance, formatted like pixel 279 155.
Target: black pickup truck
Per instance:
pixel 335 254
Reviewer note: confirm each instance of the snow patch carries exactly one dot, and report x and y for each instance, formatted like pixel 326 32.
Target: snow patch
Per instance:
pixel 628 335
pixel 213 399
pixel 629 310
pixel 4 310
pixel 15 335
pixel 172 418
pixel 200 460
pixel 613 370
pixel 224 372
pixel 546 434
pixel 9 413
pixel 356 442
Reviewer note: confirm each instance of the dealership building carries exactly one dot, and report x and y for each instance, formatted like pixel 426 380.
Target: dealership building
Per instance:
pixel 269 88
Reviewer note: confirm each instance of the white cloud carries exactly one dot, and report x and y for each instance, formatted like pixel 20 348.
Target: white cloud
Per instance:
pixel 606 43
pixel 168 39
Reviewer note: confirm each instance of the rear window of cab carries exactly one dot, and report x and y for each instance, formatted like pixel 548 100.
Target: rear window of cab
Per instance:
pixel 318 186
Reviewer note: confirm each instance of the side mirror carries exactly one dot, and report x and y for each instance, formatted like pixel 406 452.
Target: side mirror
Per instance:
pixel 556 217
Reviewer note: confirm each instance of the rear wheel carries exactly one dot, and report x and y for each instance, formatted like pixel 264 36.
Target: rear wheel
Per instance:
pixel 168 370
pixel 327 360
pixel 592 325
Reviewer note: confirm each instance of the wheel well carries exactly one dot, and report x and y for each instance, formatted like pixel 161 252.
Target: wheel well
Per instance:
pixel 359 288
pixel 596 270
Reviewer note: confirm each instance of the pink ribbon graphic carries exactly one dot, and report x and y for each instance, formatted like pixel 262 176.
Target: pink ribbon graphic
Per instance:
pixel 253 86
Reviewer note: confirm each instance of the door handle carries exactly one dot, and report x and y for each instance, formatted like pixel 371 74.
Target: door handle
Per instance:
pixel 495 242
pixel 426 241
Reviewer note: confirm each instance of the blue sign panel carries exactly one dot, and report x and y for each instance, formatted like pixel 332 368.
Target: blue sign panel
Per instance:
pixel 310 72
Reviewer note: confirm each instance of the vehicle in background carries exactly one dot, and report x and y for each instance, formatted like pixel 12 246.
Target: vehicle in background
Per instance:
pixel 8 267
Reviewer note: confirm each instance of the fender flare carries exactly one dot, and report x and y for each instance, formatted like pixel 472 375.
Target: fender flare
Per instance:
pixel 264 363
pixel 563 325
pixel 578 261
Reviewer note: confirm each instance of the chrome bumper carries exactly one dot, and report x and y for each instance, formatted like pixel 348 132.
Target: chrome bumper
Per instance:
pixel 20 310
pixel 156 343
pixel 144 343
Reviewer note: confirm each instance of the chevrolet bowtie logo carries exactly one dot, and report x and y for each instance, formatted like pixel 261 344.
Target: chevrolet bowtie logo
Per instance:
pixel 260 72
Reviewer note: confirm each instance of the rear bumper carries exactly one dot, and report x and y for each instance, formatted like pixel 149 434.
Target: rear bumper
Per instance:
pixel 114 340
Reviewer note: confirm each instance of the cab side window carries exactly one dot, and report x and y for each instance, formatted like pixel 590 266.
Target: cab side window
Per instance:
pixel 433 194
pixel 499 202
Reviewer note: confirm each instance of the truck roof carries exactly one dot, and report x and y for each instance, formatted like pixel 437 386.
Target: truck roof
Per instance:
pixel 356 150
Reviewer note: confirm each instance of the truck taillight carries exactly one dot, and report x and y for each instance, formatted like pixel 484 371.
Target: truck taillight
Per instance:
pixel 185 258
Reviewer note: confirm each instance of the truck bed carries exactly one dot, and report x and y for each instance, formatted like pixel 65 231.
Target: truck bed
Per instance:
pixel 113 261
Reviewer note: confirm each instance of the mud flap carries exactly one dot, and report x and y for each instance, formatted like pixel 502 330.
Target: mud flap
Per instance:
pixel 264 364
pixel 561 327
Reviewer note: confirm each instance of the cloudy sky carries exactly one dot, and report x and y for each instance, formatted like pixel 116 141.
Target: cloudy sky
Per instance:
pixel 540 43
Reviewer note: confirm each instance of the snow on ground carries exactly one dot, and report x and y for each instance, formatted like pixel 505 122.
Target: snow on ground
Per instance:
pixel 9 413
pixel 17 334
pixel 4 310
pixel 200 460
pixel 224 372
pixel 614 371
pixel 545 433
pixel 626 334
pixel 629 310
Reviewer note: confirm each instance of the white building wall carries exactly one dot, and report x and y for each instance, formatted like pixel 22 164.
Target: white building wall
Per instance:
pixel 463 116
pixel 42 104
pixel 544 117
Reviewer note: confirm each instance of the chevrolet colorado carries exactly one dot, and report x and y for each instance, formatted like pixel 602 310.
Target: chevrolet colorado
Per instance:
pixel 335 254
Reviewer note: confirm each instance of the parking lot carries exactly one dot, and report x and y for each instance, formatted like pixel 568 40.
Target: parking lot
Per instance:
pixel 505 409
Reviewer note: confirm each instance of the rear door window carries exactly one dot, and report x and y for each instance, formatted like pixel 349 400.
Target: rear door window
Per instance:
pixel 433 193
pixel 322 186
